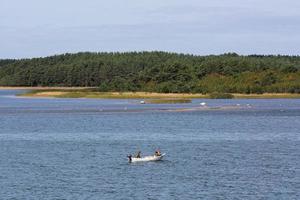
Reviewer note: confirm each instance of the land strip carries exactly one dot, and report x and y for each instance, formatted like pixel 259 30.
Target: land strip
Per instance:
pixel 82 92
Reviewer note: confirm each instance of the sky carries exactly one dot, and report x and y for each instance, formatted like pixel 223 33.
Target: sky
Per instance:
pixel 36 28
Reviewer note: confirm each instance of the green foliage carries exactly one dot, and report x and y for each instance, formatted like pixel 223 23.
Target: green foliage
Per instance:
pixel 157 72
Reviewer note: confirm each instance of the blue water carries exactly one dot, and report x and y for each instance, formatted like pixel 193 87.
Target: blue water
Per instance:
pixel 76 149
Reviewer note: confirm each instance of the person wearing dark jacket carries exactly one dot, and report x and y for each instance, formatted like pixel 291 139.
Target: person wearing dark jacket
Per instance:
pixel 157 153
pixel 138 155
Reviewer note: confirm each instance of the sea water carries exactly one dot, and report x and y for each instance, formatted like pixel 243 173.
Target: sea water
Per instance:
pixel 76 149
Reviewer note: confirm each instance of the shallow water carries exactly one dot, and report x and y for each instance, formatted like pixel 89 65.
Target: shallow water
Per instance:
pixel 76 149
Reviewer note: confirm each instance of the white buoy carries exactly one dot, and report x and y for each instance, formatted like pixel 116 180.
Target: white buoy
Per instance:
pixel 202 103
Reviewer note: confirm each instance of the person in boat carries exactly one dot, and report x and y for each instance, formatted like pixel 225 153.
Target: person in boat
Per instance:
pixel 138 155
pixel 157 153
pixel 130 158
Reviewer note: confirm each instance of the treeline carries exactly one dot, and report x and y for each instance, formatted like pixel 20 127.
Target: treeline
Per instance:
pixel 157 72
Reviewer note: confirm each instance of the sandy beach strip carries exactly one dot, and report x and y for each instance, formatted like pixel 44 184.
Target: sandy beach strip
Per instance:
pixel 84 92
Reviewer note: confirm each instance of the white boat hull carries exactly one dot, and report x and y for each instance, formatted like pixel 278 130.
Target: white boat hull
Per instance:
pixel 147 158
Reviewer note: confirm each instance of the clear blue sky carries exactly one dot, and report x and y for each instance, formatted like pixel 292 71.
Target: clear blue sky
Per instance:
pixel 34 28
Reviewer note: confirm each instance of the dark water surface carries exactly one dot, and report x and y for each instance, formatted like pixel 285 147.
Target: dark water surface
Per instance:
pixel 76 149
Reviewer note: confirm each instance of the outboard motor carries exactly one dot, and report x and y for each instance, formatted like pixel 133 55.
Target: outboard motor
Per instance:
pixel 130 158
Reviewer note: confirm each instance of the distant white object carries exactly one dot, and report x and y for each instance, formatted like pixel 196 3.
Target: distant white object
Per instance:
pixel 202 103
pixel 142 102
pixel 146 158
pixel 238 104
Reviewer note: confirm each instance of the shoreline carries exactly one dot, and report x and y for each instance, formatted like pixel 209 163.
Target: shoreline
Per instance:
pixel 83 92
pixel 111 95
pixel 68 93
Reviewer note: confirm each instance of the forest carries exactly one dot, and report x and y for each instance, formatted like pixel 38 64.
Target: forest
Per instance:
pixel 158 72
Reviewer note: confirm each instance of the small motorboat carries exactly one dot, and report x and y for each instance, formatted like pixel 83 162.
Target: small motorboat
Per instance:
pixel 132 159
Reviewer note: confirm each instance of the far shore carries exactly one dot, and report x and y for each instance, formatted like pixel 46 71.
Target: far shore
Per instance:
pixel 110 95
pixel 88 92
